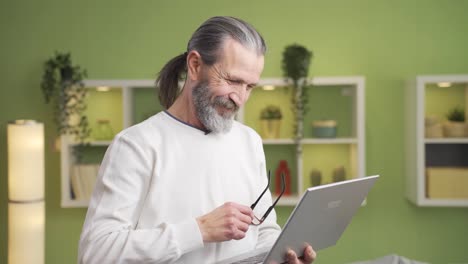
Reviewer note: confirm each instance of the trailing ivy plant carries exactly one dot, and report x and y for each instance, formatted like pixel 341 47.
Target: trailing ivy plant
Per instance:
pixel 62 86
pixel 295 65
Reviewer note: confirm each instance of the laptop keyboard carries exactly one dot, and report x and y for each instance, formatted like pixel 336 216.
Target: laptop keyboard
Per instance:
pixel 253 259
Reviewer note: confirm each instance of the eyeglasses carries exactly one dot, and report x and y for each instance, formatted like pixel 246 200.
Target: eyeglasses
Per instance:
pixel 258 221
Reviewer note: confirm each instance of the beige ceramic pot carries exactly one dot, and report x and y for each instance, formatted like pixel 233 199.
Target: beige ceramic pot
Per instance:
pixel 434 131
pixel 270 128
pixel 455 129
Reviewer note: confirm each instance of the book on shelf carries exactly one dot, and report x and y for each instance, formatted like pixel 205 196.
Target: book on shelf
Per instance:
pixel 83 179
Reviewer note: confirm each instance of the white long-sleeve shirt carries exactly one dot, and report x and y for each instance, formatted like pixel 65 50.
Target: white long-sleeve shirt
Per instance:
pixel 157 177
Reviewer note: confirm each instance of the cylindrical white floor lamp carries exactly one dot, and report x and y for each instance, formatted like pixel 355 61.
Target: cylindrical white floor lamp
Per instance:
pixel 26 208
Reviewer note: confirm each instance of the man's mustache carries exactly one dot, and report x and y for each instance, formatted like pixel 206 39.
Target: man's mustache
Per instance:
pixel 226 103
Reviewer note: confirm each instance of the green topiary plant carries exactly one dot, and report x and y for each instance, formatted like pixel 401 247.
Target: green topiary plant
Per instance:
pixel 456 114
pixel 271 112
pixel 63 87
pixel 296 61
pixel 295 65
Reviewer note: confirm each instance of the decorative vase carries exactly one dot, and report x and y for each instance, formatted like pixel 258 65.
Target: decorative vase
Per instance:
pixel 57 144
pixel 283 169
pixel 271 128
pixel 432 127
pixel 434 131
pixel 104 130
pixel 339 174
pixel 315 177
pixel 324 128
pixel 455 129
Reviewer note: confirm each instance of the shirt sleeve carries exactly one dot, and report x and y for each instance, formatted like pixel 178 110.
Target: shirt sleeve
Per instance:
pixel 110 233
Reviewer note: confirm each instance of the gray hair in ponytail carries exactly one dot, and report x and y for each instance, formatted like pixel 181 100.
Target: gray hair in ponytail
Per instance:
pixel 207 40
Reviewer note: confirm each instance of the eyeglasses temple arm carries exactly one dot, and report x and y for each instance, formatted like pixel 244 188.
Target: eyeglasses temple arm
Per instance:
pixel 258 199
pixel 283 188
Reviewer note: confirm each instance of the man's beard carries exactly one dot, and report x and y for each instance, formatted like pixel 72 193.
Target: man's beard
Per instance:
pixel 206 112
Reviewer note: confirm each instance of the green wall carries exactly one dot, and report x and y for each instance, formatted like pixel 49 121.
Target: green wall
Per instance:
pixel 385 41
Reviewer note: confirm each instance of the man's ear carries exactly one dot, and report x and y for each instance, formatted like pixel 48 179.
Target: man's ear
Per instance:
pixel 194 64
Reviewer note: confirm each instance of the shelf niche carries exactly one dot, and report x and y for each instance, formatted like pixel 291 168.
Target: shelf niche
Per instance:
pixel 436 165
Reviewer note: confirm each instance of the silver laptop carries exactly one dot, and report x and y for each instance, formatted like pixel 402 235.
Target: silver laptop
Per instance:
pixel 320 217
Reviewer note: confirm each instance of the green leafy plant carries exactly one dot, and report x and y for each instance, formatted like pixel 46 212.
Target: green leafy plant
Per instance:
pixel 456 114
pixel 62 86
pixel 271 112
pixel 296 61
pixel 295 65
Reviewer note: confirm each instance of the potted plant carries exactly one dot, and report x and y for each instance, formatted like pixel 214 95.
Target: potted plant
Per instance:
pixel 455 126
pixel 295 65
pixel 270 118
pixel 62 86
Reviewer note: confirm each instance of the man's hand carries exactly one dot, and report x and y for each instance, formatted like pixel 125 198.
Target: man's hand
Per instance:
pixel 308 256
pixel 229 221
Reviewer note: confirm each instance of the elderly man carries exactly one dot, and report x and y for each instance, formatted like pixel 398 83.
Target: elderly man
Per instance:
pixel 177 187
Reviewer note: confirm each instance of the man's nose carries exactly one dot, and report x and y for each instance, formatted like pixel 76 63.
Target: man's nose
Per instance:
pixel 239 95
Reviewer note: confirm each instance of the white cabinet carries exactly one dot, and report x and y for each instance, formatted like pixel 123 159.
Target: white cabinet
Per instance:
pixel 436 164
pixel 337 98
pixel 114 103
pixel 127 102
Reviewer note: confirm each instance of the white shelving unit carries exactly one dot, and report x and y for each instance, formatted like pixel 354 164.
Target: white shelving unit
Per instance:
pixel 422 152
pixel 351 86
pixel 126 88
